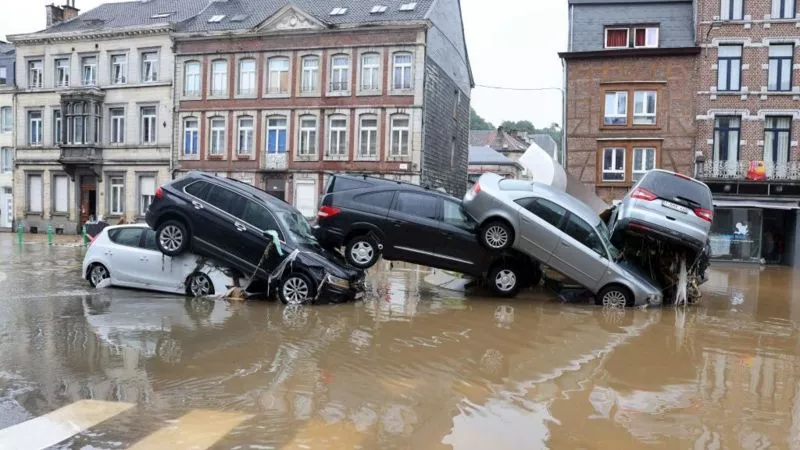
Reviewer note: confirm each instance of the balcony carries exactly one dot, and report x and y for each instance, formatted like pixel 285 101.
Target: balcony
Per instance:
pixel 75 158
pixel 749 171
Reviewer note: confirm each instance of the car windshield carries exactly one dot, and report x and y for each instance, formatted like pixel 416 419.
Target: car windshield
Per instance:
pixel 675 187
pixel 605 236
pixel 298 227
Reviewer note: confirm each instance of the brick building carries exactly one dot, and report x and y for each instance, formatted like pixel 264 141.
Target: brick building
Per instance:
pixel 277 94
pixel 629 71
pixel 748 116
pixel 6 135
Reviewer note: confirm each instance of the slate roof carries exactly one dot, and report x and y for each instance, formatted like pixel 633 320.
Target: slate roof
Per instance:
pixel 6 48
pixel 546 142
pixel 258 11
pixel 484 156
pixel 498 140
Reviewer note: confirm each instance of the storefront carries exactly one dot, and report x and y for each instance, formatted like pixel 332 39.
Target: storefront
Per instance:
pixel 755 232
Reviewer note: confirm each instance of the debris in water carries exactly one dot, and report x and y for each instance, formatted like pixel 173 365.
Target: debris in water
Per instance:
pixel 681 297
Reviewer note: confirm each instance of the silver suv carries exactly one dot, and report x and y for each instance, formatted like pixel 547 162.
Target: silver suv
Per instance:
pixel 559 231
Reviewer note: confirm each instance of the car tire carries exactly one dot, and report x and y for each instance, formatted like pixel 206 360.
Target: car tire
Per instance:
pixel 296 289
pixel 504 280
pixel 614 295
pixel 172 238
pixel 97 273
pixel 496 235
pixel 199 284
pixel 362 252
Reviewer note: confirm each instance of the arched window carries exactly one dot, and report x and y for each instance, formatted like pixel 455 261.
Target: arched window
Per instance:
pixel 337 136
pixel 370 71
pixel 368 136
pixel 278 80
pixel 219 78
pixel 191 79
pixel 308 136
pixel 247 77
pixel 310 76
pixel 401 133
pixel 276 134
pixel 245 137
pixel 402 70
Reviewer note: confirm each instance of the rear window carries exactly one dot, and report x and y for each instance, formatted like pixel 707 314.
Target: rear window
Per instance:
pixel 126 236
pixel 338 184
pixel 515 185
pixel 380 200
pixel 670 186
pixel 198 189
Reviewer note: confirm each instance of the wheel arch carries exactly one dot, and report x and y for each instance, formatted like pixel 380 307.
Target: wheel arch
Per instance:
pixel 499 217
pixel 175 215
pixel 621 285
pixel 93 263
pixel 362 228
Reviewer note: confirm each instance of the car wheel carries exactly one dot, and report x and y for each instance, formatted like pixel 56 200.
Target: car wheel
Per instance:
pixel 296 289
pixel 172 238
pixel 614 296
pixel 362 252
pixel 497 235
pixel 98 273
pixel 199 285
pixel 504 280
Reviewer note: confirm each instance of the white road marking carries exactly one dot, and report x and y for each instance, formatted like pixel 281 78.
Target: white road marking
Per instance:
pixel 61 424
pixel 197 430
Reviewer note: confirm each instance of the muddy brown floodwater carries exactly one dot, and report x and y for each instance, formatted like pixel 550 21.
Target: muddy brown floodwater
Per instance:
pixel 410 367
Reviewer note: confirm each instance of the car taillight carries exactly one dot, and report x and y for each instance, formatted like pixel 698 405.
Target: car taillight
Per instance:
pixel 685 177
pixel 476 189
pixel 643 194
pixel 328 211
pixel 705 214
pixel 159 193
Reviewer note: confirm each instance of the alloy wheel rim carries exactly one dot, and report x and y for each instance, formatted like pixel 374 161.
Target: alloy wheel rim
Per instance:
pixel 171 238
pixel 505 280
pixel 614 299
pixel 295 291
pixel 99 273
pixel 200 286
pixel 496 236
pixel 362 252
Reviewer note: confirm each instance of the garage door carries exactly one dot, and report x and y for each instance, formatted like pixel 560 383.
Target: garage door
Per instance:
pixel 305 197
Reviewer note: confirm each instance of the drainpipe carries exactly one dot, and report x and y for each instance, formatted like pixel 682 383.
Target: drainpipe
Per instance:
pixel 175 121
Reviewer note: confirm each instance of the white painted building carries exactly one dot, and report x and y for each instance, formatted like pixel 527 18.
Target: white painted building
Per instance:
pixel 6 135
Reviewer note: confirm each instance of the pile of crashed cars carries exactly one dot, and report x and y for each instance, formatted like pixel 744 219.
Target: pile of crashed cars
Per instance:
pixel 505 234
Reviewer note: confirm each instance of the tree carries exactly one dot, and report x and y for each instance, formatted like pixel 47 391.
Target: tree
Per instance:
pixel 522 125
pixel 477 122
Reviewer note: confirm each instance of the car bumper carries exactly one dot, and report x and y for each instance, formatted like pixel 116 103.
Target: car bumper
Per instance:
pixel 635 226
pixel 328 238
pixel 333 294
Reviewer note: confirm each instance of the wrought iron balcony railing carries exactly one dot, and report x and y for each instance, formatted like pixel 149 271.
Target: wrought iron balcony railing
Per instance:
pixel 746 170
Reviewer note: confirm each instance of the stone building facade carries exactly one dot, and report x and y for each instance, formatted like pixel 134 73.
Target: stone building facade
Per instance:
pixel 7 85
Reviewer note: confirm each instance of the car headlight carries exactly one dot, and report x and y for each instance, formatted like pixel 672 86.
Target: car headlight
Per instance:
pixel 338 282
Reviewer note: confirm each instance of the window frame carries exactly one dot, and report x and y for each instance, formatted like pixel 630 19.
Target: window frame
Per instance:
pixel 307 135
pixel 58 124
pixel 61 71
pixel 28 198
pixel 154 65
pixel 116 126
pixel 277 129
pixel 780 61
pixel 3 76
pixel 641 172
pixel 729 74
pixel 396 203
pixel 142 209
pixel 627 37
pixel 605 171
pixel 623 115
pixel 281 72
pixel 198 77
pixel 527 202
pixel 220 132
pixel 403 66
pixel 223 75
pixel 143 124
pixel 54 177
pixel 776 132
pixel 645 115
pixel 85 81
pixel 195 147
pixel 785 6
pixel 578 220
pixel 400 129
pixel 6 119
pixel 731 11
pixel 111 187
pixel 7 166
pixel 40 122
pixel 123 79
pixel 646 36
pixel 36 82
pixel 373 70
pixel 340 87
pixel 309 74
pixel 371 138
pixel 240 139
pixel 252 78
pixel 717 153
pixel 340 131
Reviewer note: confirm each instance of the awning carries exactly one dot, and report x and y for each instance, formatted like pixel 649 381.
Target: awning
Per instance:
pixel 763 204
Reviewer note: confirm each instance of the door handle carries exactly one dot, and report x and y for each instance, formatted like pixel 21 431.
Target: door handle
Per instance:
pixel 239 226
pixel 197 205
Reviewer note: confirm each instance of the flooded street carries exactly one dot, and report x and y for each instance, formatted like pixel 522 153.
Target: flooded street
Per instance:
pixel 410 367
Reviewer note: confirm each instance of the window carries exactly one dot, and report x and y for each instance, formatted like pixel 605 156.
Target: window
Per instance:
pixel 783 9
pixel 6 119
pixel 337 139
pixel 62 72
pixel 6 160
pixel 35 74
pixel 60 194
pixel 646 37
pixel 402 71
pixel 400 135
pixel 408 6
pixel 644 108
pixel 89 70
pixel 276 135
pixel 726 138
pixel 377 9
pixel 3 76
pixel 149 125
pixel 129 237
pixel 613 164
pixel 308 136
pixel 219 78
pixel 35 127
pixel 150 67
pixel 340 73
pixel 777 134
pixel 150 240
pixel 147 192
pixel 191 84
pixel 338 11
pixel 278 82
pixel 217 18
pixel 617 37
pixel 368 136
pixel 382 200
pixel 644 159
pixel 454 215
pixel 77 115
pixel 217 146
pixel 543 209
pixel 370 72
pixel 310 76
pixel 117 125
pixel 190 137
pixel 731 9
pixel 247 77
pixel 34 193
pixel 418 205
pixel 258 216
pixel 225 199
pixel 199 189
pixel 616 112
pixel 578 229
pixel 245 143
pixel 780 67
pixel 119 69
pixel 57 129
pixel 729 68
pixel 117 199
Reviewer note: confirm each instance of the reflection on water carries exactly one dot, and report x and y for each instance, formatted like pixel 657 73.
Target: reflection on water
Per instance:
pixel 412 366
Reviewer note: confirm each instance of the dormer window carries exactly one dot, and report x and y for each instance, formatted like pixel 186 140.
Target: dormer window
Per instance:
pixel 617 38
pixel 645 37
pixel 631 37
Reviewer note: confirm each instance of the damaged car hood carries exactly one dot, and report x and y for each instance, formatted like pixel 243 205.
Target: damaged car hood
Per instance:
pixel 326 260
pixel 638 273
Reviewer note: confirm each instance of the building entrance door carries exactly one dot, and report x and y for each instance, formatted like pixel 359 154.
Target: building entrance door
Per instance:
pixel 6 208
pixel 88 199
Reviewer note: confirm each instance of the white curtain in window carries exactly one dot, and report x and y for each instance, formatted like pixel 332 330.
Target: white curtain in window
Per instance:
pixel 35 193
pixel 147 186
pixel 61 192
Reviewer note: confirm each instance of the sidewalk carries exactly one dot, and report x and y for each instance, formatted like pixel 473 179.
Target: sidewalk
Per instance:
pixel 42 237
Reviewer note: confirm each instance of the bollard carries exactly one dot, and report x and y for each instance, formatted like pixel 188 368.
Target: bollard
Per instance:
pixel 20 231
pixel 49 234
pixel 85 237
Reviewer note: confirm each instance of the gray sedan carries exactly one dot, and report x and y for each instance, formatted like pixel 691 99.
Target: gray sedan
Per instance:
pixel 559 231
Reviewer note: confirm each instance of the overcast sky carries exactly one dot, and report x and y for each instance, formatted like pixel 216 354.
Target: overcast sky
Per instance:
pixel 511 43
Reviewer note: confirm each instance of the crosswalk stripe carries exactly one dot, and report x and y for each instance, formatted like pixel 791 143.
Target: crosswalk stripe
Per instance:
pixel 197 430
pixel 58 425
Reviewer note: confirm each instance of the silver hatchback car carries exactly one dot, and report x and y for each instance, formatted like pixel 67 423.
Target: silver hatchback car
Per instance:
pixel 559 231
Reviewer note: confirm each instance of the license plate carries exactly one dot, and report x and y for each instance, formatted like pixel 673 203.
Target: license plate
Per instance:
pixel 675 207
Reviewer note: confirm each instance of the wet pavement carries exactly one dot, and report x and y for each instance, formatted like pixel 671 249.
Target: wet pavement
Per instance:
pixel 410 367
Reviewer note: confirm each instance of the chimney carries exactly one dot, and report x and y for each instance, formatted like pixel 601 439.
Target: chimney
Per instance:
pixel 58 14
pixel 70 10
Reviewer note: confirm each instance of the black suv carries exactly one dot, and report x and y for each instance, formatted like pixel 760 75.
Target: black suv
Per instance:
pixel 231 221
pixel 372 216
